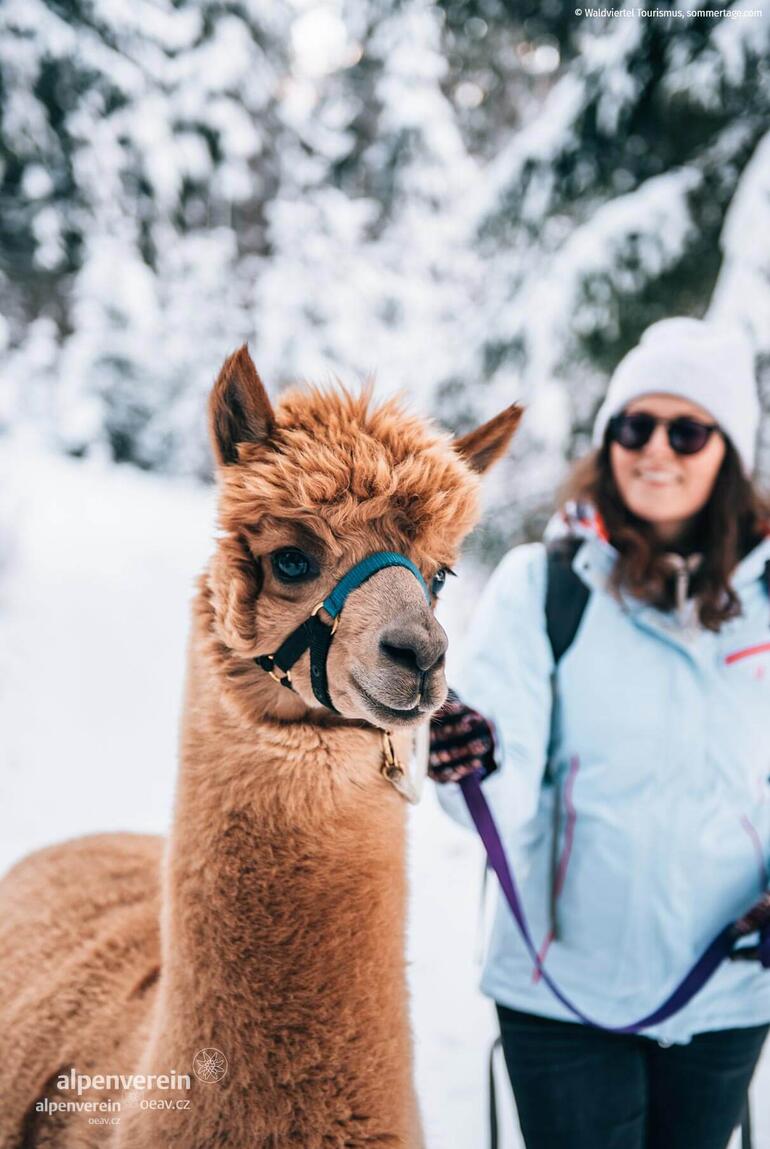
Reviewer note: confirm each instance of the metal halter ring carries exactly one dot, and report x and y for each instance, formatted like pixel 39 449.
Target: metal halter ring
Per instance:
pixel 282 681
pixel 335 620
pixel 391 767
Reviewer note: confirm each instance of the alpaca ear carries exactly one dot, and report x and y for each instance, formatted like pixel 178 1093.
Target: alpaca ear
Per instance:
pixel 484 446
pixel 239 408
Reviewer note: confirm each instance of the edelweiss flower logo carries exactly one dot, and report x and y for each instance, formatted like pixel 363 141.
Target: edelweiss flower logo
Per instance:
pixel 209 1065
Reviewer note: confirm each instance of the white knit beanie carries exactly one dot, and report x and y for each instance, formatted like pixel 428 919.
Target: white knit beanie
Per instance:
pixel 710 365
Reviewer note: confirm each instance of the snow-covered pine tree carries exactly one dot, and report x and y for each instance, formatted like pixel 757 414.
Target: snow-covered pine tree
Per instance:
pixel 370 271
pixel 502 56
pixel 144 144
pixel 479 201
pixel 741 295
pixel 604 213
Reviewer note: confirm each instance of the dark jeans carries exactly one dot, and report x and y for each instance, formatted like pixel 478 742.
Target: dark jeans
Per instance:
pixel 579 1088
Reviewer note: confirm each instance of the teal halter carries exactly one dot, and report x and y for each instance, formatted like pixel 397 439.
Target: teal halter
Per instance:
pixel 316 635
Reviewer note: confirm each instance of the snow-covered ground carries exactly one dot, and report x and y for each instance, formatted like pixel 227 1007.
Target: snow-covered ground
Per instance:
pixel 96 573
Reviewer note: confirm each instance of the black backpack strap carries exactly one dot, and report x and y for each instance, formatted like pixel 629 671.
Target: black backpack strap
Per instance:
pixel 566 595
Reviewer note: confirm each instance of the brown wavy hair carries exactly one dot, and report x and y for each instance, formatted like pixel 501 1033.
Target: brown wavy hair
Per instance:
pixel 734 519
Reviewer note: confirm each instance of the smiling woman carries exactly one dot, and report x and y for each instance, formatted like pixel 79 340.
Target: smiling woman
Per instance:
pixel 670 476
pixel 632 742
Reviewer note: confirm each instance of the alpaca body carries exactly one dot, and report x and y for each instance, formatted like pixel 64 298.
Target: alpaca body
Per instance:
pixel 271 927
pixel 283 942
pixel 283 937
pixel 79 958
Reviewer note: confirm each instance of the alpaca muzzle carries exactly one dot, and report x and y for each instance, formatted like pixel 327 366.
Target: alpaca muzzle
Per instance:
pixel 405 676
pixel 315 634
pixel 414 646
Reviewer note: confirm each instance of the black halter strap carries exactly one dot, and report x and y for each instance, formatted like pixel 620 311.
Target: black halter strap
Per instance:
pixel 313 635
pixel 316 635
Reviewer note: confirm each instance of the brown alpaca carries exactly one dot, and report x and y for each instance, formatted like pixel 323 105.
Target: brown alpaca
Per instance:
pixel 272 926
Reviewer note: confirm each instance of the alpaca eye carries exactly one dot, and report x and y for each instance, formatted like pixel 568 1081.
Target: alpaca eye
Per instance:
pixel 439 579
pixel 292 565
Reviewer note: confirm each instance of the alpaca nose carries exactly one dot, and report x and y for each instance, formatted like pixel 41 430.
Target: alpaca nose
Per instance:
pixel 414 647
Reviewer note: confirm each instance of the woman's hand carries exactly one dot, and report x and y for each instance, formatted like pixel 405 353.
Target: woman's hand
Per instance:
pixel 462 742
pixel 757 919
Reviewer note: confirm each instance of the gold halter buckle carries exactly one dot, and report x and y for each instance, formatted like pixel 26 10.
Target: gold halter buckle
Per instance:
pixel 335 620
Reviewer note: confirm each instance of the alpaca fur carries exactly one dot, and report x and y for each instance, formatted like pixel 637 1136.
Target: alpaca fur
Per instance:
pixel 271 925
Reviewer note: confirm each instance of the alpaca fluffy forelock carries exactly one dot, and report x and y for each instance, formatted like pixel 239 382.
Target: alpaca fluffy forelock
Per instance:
pixel 354 472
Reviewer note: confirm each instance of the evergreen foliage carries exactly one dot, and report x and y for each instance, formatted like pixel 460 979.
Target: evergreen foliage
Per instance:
pixel 474 199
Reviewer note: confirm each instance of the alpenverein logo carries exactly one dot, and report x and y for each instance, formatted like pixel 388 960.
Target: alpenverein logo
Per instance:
pixel 209 1065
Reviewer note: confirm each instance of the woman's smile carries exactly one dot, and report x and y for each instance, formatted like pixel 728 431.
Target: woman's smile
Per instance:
pixel 657 476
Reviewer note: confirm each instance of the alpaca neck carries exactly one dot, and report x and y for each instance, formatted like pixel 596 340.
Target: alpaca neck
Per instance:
pixel 284 928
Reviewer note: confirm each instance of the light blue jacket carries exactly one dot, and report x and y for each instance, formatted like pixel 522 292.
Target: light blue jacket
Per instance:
pixel 633 794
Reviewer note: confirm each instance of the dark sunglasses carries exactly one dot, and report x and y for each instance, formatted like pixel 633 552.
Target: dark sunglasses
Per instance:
pixel 685 436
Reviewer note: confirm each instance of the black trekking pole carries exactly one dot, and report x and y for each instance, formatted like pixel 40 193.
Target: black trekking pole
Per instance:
pixel 746 1138
pixel 493 1123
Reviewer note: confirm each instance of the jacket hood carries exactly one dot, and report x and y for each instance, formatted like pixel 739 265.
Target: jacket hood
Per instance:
pixel 577 521
pixel 581 520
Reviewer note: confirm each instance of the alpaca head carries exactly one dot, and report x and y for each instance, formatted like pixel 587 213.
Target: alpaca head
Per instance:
pixel 309 488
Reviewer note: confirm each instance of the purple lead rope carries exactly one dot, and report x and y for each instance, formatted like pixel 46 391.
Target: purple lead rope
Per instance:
pixel 720 948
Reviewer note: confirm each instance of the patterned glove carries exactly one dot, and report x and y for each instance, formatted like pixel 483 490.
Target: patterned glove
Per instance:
pixel 758 918
pixel 462 741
